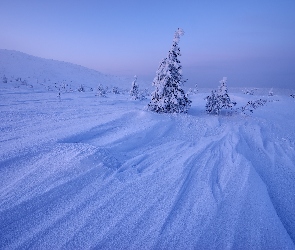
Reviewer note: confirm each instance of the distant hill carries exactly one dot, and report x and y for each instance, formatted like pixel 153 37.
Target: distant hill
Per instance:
pixel 39 72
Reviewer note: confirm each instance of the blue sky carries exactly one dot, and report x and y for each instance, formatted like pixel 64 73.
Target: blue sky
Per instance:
pixel 250 42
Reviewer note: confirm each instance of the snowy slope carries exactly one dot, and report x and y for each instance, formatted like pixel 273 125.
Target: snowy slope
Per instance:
pixel 89 172
pixel 40 72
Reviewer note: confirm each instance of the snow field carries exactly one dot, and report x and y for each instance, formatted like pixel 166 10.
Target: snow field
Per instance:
pixel 90 172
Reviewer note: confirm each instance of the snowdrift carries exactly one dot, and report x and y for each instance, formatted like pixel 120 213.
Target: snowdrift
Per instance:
pixel 82 171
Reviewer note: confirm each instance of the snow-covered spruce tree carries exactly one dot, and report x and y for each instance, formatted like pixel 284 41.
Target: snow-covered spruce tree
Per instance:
pixel 219 99
pixel 223 95
pixel 134 92
pixel 169 97
pixel 213 105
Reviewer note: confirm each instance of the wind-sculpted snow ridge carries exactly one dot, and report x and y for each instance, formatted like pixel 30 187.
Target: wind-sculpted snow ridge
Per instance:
pixel 105 173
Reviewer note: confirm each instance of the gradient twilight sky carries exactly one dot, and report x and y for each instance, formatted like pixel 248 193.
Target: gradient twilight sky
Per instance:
pixel 251 42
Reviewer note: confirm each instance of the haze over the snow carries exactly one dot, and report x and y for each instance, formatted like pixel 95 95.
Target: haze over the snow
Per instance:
pixel 250 42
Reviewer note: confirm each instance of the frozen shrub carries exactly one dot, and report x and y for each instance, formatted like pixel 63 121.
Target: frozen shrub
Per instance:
pixel 249 91
pixel 219 100
pixel 251 105
pixel 81 88
pixel 101 92
pixel 134 92
pixel 4 79
pixel 116 90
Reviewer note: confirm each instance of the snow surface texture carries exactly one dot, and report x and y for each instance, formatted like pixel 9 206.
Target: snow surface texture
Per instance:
pixel 91 172
pixel 85 172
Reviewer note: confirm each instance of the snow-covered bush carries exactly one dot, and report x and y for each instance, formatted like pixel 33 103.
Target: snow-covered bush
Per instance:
pixel 169 97
pixel 59 95
pixel 249 91
pixel 4 79
pixel 101 92
pixel 81 88
pixel 116 90
pixel 219 99
pixel 134 92
pixel 251 105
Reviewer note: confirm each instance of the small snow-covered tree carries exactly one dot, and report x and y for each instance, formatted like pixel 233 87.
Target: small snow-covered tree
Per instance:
pixel 4 79
pixel 116 90
pixel 169 97
pixel 134 92
pixel 223 95
pixel 101 92
pixel 59 94
pixel 213 105
pixel 220 99
pixel 81 88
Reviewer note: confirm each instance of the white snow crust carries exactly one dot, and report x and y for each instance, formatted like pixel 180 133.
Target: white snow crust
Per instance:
pixel 87 172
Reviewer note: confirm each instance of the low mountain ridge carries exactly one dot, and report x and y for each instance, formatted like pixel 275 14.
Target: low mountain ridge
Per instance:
pixel 35 70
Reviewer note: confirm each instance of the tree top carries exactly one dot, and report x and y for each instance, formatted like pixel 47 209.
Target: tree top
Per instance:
pixel 179 32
